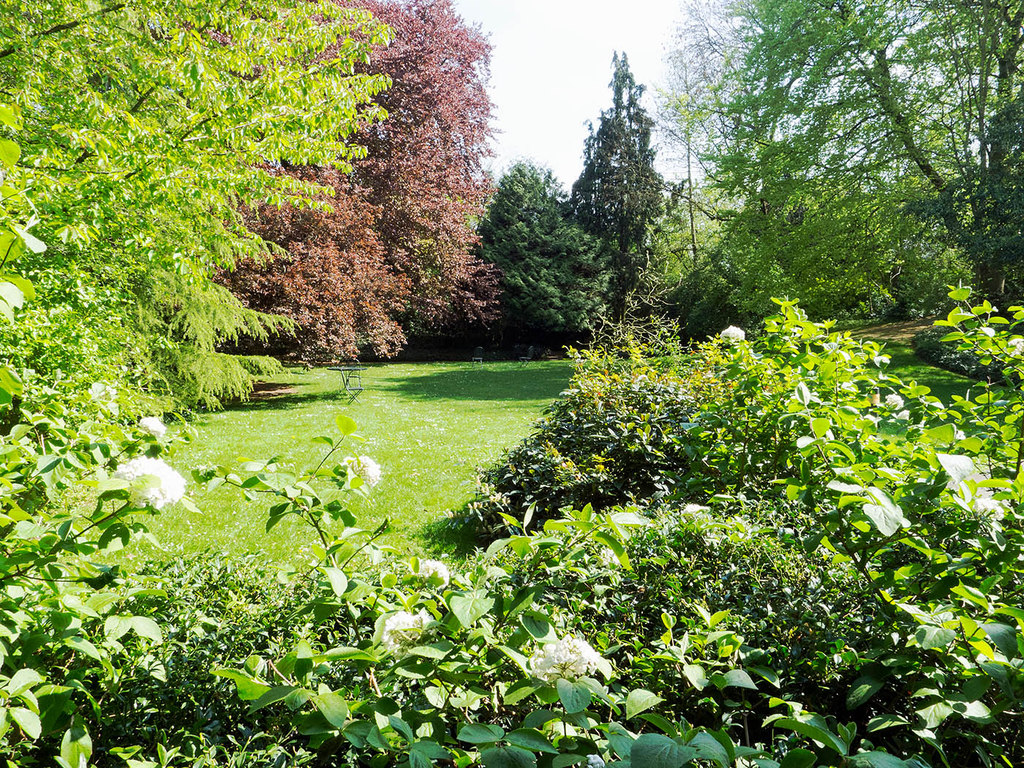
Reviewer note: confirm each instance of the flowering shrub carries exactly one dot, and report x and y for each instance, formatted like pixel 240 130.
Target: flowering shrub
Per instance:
pixel 900 520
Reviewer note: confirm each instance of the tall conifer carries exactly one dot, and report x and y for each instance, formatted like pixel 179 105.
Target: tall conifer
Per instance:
pixel 619 194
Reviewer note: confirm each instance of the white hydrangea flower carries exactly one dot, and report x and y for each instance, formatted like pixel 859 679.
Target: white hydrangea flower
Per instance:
pixel 153 426
pixel 435 568
pixel 732 333
pixel 570 657
pixel 154 482
pixel 365 468
pixel 595 761
pixel 403 629
pixel 986 505
pixel 894 401
pixel 1016 346
pixel 102 392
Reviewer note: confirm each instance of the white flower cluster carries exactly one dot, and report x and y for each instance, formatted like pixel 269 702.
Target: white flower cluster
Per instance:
pixel 570 657
pixel 154 483
pixel 430 569
pixel 894 401
pixel 985 505
pixel 403 629
pixel 366 468
pixel 153 426
pixel 732 333
pixel 1016 346
pixel 595 761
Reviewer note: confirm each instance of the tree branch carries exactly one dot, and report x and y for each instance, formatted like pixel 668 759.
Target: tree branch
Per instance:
pixel 64 27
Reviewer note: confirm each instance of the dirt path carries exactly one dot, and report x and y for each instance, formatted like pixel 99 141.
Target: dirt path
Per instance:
pixel 902 332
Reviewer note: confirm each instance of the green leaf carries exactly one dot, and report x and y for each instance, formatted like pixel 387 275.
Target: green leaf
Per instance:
pixel 10 385
pixel 471 607
pixel 333 707
pixel 248 689
pixel 814 727
pixel 640 700
pixel 959 468
pixel 338 580
pixel 652 750
pixel 21 681
pixel 539 627
pixel 9 153
pixel 532 739
pixel 738 678
pixel 710 748
pixel 76 747
pixel 508 757
pixel 575 697
pixel 9 117
pixel 1004 637
pixel 146 627
pixel 27 720
pixel 820 427
pixel 480 733
pixel 863 688
pixel 33 243
pixel 885 513
pixel 696 675
pixel 798 758
pixel 876 760
pixel 934 637
pixel 272 696
pixel 346 425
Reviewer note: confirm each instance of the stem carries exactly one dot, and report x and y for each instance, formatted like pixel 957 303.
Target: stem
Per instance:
pixel 64 27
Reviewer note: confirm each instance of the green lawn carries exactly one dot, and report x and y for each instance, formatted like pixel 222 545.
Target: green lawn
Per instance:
pixel 909 367
pixel 430 426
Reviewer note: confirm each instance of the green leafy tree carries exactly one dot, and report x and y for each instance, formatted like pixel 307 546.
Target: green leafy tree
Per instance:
pixel 842 114
pixel 619 194
pixel 553 279
pixel 150 126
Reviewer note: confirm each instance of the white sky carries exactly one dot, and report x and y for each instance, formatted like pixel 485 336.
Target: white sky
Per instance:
pixel 551 62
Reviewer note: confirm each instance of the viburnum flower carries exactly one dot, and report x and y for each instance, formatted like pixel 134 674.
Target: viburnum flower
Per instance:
pixel 430 569
pixel 154 482
pixel 403 629
pixel 894 401
pixel 153 426
pixel 570 657
pixel 365 468
pixel 732 333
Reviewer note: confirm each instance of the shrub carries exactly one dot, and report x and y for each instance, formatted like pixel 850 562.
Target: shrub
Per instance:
pixel 928 346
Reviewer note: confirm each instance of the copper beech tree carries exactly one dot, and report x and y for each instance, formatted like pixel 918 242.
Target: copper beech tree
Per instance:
pixel 396 252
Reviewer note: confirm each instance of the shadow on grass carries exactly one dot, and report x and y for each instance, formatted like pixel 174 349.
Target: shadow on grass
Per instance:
pixel 527 382
pixel 450 537
pixel 290 400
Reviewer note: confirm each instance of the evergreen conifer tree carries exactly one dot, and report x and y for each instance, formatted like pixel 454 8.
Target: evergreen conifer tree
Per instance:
pixel 619 194
pixel 553 276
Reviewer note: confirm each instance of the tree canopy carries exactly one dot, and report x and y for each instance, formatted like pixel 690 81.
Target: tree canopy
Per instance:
pixel 396 252
pixel 861 142
pixel 619 193
pixel 553 278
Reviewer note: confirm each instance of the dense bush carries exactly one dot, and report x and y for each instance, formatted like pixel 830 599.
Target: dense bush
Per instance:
pixel 859 535
pixel 928 346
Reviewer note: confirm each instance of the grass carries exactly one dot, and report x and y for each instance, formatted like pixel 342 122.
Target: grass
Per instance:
pixel 909 367
pixel 430 426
